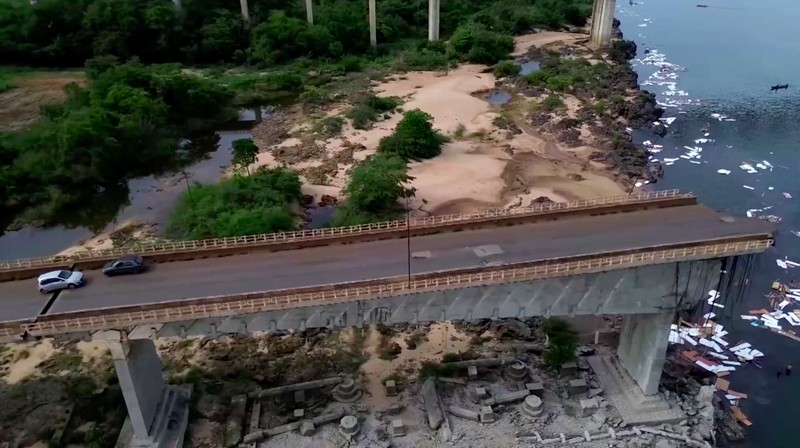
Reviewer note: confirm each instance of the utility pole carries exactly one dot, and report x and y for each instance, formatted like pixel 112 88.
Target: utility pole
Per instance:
pixel 408 239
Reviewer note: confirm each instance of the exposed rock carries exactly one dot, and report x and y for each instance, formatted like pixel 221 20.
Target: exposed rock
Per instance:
pixel 328 201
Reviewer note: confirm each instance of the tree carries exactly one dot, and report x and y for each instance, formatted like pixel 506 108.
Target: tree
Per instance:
pixel 378 183
pixel 244 154
pixel 563 341
pixel 475 43
pixel 414 138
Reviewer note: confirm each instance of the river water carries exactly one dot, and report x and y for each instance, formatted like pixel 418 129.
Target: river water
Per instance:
pixel 732 52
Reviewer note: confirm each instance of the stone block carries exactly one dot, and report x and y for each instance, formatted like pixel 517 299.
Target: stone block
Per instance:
pixel 394 409
pixel 299 396
pixel 589 406
pixel 390 387
pixel 487 414
pixel 299 414
pixel 347 391
pixel 569 369
pixel 535 389
pixel 472 372
pixel 307 429
pixel 517 370
pixel 398 428
pixel 532 406
pixel 348 425
pixel 481 393
pixel 577 387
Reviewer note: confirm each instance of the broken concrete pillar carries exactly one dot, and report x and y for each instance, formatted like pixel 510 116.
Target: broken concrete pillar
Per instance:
pixel 517 371
pixel 255 416
pixel 472 372
pixel 431 399
pixel 261 393
pixel 481 393
pixel 299 396
pixel 532 406
pixel 487 414
pixel 577 387
pixel 535 389
pixel 463 413
pixel 398 428
pixel 307 429
pixel 589 406
pixel 487 362
pixel 348 425
pixel 257 436
pixel 235 422
pixel 390 388
pixel 507 398
pixel 569 370
pixel 347 391
pixel 643 348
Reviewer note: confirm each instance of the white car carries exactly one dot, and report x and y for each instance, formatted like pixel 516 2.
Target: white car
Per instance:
pixel 57 280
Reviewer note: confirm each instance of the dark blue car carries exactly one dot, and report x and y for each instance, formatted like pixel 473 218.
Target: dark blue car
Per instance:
pixel 129 264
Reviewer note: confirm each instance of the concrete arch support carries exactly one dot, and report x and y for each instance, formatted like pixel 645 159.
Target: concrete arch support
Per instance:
pixel 602 21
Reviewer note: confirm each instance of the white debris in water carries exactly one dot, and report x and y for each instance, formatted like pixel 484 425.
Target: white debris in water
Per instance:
pixel 747 167
pixel 725 172
pixel 748 187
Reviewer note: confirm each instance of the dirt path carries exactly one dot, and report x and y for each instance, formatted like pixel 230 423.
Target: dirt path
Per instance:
pixel 20 106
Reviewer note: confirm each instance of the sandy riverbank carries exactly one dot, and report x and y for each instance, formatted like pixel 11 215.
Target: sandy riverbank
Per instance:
pixel 483 166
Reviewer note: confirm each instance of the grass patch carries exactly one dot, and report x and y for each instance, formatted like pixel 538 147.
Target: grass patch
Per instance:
pixel 364 115
pixel 329 126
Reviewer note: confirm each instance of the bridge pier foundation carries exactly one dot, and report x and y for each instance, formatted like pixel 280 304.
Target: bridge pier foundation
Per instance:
pixel 433 19
pixel 643 347
pixel 602 21
pixel 157 413
pixel 373 25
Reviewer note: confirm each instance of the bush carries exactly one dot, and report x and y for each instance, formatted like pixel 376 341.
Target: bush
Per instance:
pixel 622 51
pixel 475 43
pixel 371 110
pixel 377 184
pixel 507 68
pixel 563 341
pixel 414 138
pixel 552 102
pixel 329 126
pixel 250 205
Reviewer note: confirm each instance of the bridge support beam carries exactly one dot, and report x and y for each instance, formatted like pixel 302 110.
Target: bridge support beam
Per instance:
pixel 602 21
pixel 310 11
pixel 433 19
pixel 157 413
pixel 373 25
pixel 643 347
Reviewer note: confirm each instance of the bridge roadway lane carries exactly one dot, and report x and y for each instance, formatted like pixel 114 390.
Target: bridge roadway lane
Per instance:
pixel 333 264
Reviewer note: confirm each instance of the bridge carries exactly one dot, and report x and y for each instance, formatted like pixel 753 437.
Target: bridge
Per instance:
pixel 643 255
pixel 600 35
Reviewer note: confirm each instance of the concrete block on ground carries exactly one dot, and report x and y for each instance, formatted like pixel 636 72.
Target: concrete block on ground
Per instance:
pixel 299 396
pixel 517 370
pixel 398 428
pixel 511 397
pixel 569 369
pixel 431 398
pixel 255 416
pixel 307 429
pixel 348 425
pixel 487 414
pixel 535 389
pixel 463 413
pixel 577 387
pixel 481 393
pixel 235 423
pixel 532 406
pixel 589 406
pixel 390 387
pixel 472 372
pixel 299 414
pixel 394 409
pixel 347 391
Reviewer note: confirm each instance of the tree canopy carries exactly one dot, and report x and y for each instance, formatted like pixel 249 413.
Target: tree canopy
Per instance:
pixel 414 138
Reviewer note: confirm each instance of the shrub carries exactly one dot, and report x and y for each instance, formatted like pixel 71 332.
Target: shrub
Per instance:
pixel 563 341
pixel 414 138
pixel 475 43
pixel 507 68
pixel 329 126
pixel 371 110
pixel 553 102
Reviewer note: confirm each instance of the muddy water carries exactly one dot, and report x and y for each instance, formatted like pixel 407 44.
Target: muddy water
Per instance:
pixel 149 199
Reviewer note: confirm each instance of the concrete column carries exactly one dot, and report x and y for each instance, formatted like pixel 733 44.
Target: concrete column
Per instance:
pixel 602 21
pixel 433 19
pixel 139 371
pixel 245 11
pixel 177 4
pixel 643 347
pixel 373 25
pixel 310 11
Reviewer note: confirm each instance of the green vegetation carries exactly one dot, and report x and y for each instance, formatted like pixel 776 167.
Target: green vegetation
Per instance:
pixel 563 341
pixel 365 114
pixel 125 124
pixel 552 102
pixel 507 68
pixel 329 126
pixel 475 43
pixel 5 82
pixel 242 205
pixel 244 154
pixel 414 138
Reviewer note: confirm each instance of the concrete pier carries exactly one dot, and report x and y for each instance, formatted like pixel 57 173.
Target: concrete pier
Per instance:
pixel 373 25
pixel 602 21
pixel 310 11
pixel 245 11
pixel 433 19
pixel 157 413
pixel 643 347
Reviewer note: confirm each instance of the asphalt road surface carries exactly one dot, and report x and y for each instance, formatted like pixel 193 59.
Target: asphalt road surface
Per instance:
pixel 373 260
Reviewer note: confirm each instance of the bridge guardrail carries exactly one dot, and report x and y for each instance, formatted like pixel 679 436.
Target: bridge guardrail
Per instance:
pixel 333 232
pixel 221 306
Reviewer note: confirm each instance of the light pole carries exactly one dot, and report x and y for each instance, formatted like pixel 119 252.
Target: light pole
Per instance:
pixel 408 238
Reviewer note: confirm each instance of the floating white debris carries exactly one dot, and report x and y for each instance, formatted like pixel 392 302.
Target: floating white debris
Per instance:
pixel 781 264
pixel 748 317
pixel 725 172
pixel 748 187
pixel 787 195
pixel 668 120
pixel 770 188
pixel 709 316
pixel 747 167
